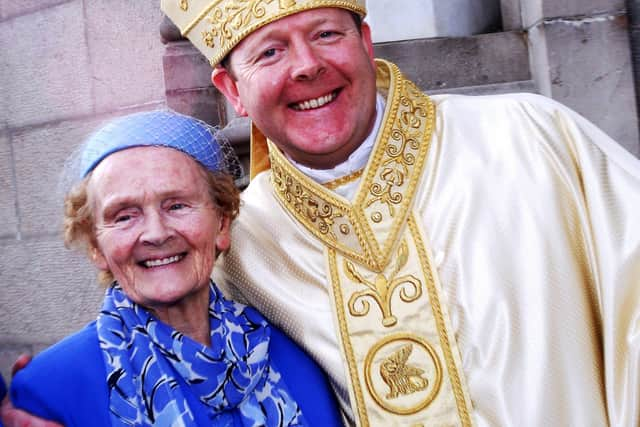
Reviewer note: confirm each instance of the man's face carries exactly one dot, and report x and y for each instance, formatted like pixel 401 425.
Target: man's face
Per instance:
pixel 308 82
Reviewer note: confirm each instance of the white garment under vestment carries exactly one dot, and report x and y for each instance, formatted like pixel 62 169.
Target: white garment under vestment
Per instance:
pixel 532 216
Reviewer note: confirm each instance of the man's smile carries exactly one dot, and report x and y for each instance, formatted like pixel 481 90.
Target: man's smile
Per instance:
pixel 318 102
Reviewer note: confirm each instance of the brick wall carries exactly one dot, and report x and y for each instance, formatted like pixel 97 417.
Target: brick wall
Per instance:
pixel 66 67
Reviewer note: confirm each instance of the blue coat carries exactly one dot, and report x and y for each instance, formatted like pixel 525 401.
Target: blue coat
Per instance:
pixel 67 383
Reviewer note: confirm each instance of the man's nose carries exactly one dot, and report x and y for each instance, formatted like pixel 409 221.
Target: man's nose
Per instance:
pixel 306 64
pixel 156 230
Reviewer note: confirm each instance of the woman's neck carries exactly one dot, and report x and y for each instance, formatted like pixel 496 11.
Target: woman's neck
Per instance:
pixel 190 316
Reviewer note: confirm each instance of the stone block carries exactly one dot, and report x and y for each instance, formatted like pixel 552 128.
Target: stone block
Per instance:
pixel 185 67
pixel 4 106
pixel 125 51
pixel 11 8
pixel 534 11
pixel 47 291
pixel 455 18
pixel 458 62
pixel 596 79
pixel 492 89
pixel 561 8
pixel 531 12
pixel 39 158
pixel 205 104
pixel 511 11
pixel 45 71
pixel 413 20
pixel 8 214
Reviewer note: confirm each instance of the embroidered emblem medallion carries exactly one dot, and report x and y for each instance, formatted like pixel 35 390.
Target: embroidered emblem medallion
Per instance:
pixel 403 365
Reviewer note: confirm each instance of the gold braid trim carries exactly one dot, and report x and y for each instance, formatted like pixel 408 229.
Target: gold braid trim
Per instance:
pixel 462 400
pixel 332 185
pixel 348 353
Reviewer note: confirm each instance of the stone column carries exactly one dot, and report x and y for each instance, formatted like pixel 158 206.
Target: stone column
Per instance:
pixel 580 55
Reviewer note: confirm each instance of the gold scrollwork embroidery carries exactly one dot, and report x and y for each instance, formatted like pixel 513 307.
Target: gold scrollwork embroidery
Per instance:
pixel 381 289
pixel 416 111
pixel 320 214
pixel 286 4
pixel 226 21
pixel 184 5
pixel 395 169
pixel 384 193
pixel 401 377
pixel 403 388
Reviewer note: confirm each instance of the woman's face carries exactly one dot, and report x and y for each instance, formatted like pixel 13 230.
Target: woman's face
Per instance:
pixel 156 227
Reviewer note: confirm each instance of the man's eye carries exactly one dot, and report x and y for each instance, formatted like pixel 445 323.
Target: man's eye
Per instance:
pixel 269 53
pixel 177 206
pixel 326 34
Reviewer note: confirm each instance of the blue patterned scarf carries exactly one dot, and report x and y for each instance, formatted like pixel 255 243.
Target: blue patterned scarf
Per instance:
pixel 148 364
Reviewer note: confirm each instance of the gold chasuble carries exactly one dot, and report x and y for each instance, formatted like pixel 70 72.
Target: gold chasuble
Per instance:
pixel 486 272
pixel 394 329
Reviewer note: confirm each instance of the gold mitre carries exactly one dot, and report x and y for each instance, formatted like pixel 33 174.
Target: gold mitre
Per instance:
pixel 216 26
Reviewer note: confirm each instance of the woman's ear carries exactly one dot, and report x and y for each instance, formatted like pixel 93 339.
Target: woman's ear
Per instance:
pixel 228 86
pixel 223 238
pixel 98 259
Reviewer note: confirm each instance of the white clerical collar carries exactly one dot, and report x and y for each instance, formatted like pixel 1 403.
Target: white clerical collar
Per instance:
pixel 356 161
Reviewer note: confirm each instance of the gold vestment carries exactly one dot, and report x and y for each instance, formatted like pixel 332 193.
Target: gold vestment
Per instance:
pixel 527 212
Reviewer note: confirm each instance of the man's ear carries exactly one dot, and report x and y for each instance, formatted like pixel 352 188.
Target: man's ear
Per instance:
pixel 226 84
pixel 366 40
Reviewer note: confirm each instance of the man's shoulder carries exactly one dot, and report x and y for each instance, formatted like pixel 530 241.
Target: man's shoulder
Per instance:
pixel 258 197
pixel 506 100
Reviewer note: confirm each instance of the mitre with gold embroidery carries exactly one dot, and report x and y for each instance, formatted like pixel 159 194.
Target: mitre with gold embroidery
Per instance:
pixel 216 26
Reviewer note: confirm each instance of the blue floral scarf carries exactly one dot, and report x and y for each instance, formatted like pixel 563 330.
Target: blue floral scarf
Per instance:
pixel 151 366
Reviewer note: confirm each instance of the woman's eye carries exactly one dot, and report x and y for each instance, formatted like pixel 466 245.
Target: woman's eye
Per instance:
pixel 122 218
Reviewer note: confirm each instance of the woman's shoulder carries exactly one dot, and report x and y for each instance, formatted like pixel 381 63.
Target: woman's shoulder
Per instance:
pixel 72 354
pixel 306 381
pixel 66 382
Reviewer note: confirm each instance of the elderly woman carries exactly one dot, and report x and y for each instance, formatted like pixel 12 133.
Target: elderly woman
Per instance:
pixel 153 210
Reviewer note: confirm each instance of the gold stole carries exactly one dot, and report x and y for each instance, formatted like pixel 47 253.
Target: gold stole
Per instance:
pixel 400 353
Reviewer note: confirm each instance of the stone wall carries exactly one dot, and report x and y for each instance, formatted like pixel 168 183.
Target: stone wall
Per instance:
pixel 66 67
pixel 415 19
pixel 580 56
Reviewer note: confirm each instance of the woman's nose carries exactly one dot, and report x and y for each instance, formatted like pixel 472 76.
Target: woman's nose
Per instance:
pixel 156 230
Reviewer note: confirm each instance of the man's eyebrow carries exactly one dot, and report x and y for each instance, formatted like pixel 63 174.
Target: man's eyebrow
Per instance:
pixel 279 33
